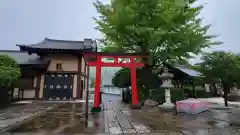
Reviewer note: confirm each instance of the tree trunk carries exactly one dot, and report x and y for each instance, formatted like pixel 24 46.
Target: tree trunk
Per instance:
pixel 226 90
pixel 226 101
pixel 4 99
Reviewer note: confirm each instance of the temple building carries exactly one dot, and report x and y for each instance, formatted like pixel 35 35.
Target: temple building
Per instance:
pixel 53 69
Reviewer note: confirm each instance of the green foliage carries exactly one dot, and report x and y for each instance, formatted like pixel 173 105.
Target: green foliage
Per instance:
pixel 158 95
pixel 203 94
pixel 122 79
pixel 177 94
pixel 161 28
pixel 200 92
pixel 221 65
pixel 9 71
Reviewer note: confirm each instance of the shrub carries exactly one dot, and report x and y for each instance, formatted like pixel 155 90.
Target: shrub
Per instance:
pixel 9 74
pixel 200 92
pixel 177 94
pixel 158 95
pixel 122 78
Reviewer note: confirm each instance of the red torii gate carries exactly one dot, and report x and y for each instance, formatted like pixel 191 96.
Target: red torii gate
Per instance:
pixel 98 63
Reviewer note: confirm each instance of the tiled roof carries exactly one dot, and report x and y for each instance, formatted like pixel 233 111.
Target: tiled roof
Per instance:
pixel 22 57
pixel 190 72
pixel 62 44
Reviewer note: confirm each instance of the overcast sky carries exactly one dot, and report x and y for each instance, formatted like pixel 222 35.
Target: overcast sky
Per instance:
pixel 30 21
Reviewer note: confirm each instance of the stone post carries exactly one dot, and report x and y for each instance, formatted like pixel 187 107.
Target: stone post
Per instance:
pixel 167 84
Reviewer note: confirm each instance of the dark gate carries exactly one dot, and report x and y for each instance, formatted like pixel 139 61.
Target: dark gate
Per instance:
pixel 58 87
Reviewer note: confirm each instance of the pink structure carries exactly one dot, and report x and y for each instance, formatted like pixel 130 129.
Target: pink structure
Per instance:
pixel 192 106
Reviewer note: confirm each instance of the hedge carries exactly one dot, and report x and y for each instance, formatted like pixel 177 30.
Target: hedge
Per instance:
pixel 157 95
pixel 176 94
pixel 200 92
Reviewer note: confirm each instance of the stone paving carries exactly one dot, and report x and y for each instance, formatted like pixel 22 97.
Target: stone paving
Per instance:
pixel 153 121
pixel 18 114
pixel 117 118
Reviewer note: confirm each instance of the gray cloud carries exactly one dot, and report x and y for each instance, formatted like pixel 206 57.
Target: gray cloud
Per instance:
pixel 29 21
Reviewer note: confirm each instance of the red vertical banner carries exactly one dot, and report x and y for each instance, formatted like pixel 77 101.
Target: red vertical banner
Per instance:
pixel 133 82
pixel 97 82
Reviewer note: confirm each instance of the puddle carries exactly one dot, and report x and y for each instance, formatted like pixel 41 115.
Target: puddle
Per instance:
pixel 67 118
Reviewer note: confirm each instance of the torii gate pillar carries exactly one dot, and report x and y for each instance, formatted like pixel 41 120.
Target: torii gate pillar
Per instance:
pixel 132 65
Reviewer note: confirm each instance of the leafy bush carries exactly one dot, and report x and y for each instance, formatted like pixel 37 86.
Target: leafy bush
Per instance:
pixel 159 95
pixel 9 74
pixel 121 78
pixel 200 92
pixel 177 94
pixel 145 77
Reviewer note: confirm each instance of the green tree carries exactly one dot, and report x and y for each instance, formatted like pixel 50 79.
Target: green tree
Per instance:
pixel 163 29
pixel 221 67
pixel 9 74
pixel 122 79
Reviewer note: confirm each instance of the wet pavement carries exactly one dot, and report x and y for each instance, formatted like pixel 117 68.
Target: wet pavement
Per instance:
pixel 15 115
pixel 155 121
pixel 66 118
pixel 116 118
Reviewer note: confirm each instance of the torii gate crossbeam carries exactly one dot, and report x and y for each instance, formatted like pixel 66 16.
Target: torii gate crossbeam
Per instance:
pixel 98 63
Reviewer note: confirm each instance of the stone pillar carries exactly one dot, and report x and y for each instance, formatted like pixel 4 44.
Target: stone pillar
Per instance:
pixel 168 96
pixel 167 84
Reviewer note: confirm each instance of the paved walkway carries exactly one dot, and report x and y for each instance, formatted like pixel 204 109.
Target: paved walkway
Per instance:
pixel 117 118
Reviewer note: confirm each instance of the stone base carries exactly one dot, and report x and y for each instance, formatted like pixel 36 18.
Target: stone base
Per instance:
pixel 95 109
pixel 167 106
pixel 136 106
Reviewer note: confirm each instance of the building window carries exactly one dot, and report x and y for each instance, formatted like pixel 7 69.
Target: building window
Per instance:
pixel 59 66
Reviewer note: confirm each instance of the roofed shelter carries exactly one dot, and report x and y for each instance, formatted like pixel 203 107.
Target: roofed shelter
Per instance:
pixel 184 75
pixel 56 69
